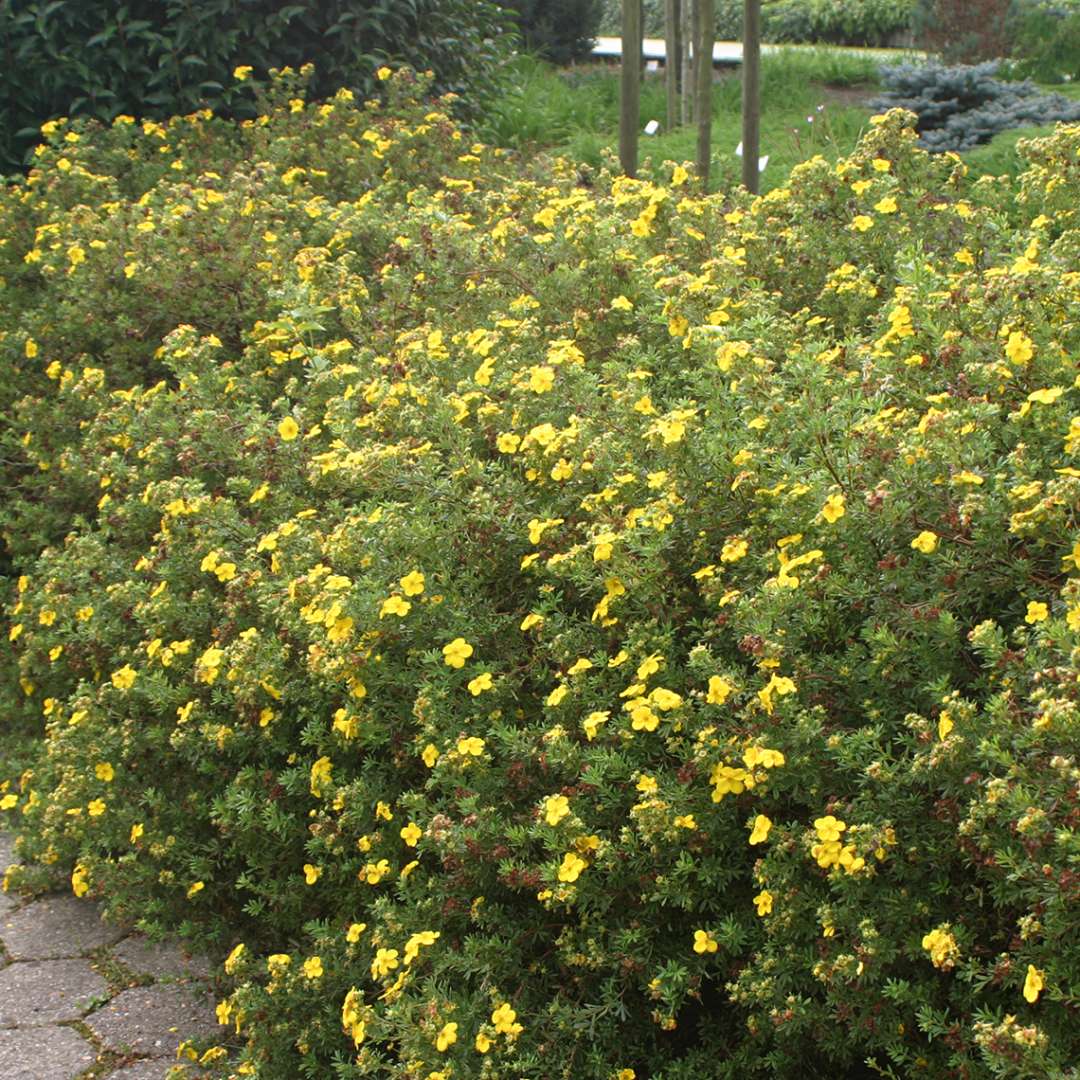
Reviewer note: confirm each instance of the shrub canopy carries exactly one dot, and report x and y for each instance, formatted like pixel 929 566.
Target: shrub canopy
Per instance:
pixel 548 624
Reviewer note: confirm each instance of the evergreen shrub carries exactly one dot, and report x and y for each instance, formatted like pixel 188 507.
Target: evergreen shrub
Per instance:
pixel 964 105
pixel 547 624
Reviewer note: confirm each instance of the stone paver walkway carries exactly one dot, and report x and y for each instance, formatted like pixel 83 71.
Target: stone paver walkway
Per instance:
pixel 81 999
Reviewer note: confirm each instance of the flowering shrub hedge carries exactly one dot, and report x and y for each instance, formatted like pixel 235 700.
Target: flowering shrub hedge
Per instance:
pixel 549 625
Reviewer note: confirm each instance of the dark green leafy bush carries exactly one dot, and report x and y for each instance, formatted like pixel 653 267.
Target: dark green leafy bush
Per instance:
pixel 159 58
pixel 964 105
pixel 547 625
pixel 557 30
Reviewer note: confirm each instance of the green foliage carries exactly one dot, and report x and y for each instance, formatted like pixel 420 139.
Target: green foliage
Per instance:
pixel 837 22
pixel 557 30
pixel 966 105
pixel 847 22
pixel 558 625
pixel 157 58
pixel 1046 41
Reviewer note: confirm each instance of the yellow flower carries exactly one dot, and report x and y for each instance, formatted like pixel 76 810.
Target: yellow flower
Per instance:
pixel 414 944
pixel 1019 348
pixel 242 72
pixel 556 695
pixel 1034 983
pixel 412 584
pixel 430 755
pixel 124 679
pixel 321 772
pixel 887 205
pixel 647 785
pixel 278 963
pixel 1036 612
pixel 760 832
pixel 457 652
pixel 395 605
pixel 470 747
pixel 733 551
pixel 9 801
pixel 704 942
pixel 312 873
pixel 926 542
pixel 679 176
pixel 504 1019
pixel 195 889
pixel 571 867
pixel 945 725
pixel 80 880
pixel 861 222
pixel 313 968
pixel 942 947
pixel 556 807
pixel 780 685
pixel 763 902
pixel 642 718
pixel 96 807
pixel 288 429
pixel 834 508
pixel 719 690
pixel 483 1043
pixel 508 442
pixel 481 683
pixel 1046 396
pixel 881 165
pixel 383 73
pixel 829 828
pixel 622 303
pixel 591 723
pixel 447 1037
pixel 352 935
pixel 385 961
pixel 104 771
pixel 685 821
pixel 541 379
pixel 411 834
pixel 136 832
pixel 232 961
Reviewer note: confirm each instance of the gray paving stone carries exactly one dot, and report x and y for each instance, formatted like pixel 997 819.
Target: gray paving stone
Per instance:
pixel 164 960
pixel 154 1020
pixel 7 903
pixel 44 1053
pixel 157 1069
pixel 7 851
pixel 48 991
pixel 55 927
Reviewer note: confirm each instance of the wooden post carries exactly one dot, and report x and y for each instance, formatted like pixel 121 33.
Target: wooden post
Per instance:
pixel 686 34
pixel 630 86
pixel 641 40
pixel 751 94
pixel 706 32
pixel 671 61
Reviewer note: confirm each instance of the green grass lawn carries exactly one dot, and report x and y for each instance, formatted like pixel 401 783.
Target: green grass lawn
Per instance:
pixel 814 101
